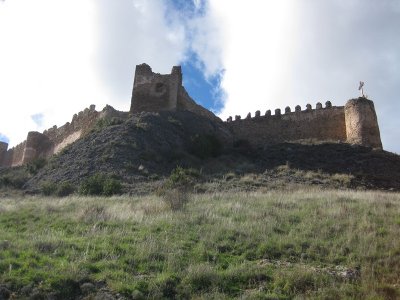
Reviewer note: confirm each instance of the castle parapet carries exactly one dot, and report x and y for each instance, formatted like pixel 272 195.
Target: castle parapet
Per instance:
pixel 323 124
pixel 288 112
pixel 356 123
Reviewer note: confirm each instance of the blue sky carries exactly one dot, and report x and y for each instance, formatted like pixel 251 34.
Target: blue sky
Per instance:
pixel 58 57
pixel 206 91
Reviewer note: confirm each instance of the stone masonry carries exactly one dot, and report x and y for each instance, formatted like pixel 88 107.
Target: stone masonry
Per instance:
pixel 154 92
pixel 354 123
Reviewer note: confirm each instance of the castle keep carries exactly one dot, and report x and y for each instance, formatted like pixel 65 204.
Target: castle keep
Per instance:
pixel 354 123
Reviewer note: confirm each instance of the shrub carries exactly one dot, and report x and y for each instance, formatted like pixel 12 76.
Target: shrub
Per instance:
pixel 181 177
pixel 106 122
pixel 16 180
pixel 64 189
pixel 92 185
pixel 48 188
pixel 205 145
pixel 111 187
pixel 100 184
pixel 175 191
pixel 61 189
pixel 34 166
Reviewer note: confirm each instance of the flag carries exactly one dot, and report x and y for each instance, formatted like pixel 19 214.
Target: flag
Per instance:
pixel 361 85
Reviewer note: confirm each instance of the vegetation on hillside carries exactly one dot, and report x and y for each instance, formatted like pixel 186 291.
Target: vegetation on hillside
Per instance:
pixel 274 245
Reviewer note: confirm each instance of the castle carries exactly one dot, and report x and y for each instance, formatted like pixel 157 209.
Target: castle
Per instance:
pixel 354 123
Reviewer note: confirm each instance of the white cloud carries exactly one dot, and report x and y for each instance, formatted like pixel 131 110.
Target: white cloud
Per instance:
pixel 58 57
pixel 283 53
pixel 47 63
pixel 250 42
pixel 205 37
pixel 134 32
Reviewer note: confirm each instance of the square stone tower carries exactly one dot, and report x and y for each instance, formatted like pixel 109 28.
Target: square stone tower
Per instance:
pixel 155 92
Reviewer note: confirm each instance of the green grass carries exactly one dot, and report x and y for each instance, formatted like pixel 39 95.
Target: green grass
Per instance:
pixel 274 245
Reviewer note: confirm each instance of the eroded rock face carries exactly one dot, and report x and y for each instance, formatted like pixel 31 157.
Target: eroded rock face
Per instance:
pixel 361 123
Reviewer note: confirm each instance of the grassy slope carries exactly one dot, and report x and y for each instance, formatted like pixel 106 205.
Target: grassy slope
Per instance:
pixel 251 245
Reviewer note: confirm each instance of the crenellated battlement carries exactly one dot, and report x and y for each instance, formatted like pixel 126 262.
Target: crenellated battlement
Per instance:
pixel 355 122
pixel 288 111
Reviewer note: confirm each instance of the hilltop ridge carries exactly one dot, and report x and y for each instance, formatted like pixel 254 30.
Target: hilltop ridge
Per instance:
pixel 165 128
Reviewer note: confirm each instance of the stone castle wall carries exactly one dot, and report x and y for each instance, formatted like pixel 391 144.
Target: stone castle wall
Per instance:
pixel 14 156
pixel 325 124
pixel 71 131
pixel 53 140
pixel 354 123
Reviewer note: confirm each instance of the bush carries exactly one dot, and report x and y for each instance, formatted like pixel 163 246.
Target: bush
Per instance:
pixel 15 181
pixel 48 188
pixel 106 122
pixel 175 191
pixel 181 177
pixel 61 189
pixel 64 189
pixel 111 187
pixel 34 166
pixel 205 145
pixel 100 184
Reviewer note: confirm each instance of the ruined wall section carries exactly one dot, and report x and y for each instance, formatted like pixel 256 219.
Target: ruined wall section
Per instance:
pixel 14 156
pixel 185 102
pixel 51 141
pixel 80 125
pixel 37 145
pixel 154 92
pixel 324 124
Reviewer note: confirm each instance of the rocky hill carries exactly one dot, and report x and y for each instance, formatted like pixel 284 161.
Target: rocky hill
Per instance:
pixel 143 150
pixel 165 129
